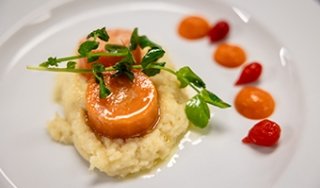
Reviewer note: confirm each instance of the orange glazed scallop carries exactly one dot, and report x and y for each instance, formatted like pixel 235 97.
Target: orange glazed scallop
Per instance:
pixel 130 110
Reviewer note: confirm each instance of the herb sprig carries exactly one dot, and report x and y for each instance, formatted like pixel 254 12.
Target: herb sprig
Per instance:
pixel 196 108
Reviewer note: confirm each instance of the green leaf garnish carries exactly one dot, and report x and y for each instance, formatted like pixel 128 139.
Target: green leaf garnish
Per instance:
pixel 213 99
pixel 97 70
pixel 52 61
pixel 71 65
pixel 92 58
pixel 134 39
pixel 87 47
pixel 152 55
pixel 198 111
pixel 123 68
pixel 186 77
pixel 100 33
pixel 116 49
pixel 142 41
pixel 153 69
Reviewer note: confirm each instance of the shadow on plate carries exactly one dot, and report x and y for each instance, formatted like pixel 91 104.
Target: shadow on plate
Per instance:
pixel 262 149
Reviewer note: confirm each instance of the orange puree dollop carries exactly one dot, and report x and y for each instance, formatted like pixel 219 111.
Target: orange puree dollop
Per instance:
pixel 229 55
pixel 193 27
pixel 254 103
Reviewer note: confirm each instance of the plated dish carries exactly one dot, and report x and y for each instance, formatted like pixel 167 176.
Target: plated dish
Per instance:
pixel 125 108
pixel 220 144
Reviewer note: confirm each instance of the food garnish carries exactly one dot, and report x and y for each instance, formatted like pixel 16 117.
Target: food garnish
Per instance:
pixel 116 37
pixel 196 109
pixel 229 55
pixel 193 27
pixel 251 102
pixel 254 103
pixel 219 31
pixel 264 133
pixel 250 73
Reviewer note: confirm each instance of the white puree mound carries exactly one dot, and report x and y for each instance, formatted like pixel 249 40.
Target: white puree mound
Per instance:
pixel 118 157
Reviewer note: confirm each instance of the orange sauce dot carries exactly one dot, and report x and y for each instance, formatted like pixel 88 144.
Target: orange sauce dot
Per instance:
pixel 254 103
pixel 229 55
pixel 193 27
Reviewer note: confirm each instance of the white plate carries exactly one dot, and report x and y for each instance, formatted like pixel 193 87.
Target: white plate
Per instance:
pixel 29 158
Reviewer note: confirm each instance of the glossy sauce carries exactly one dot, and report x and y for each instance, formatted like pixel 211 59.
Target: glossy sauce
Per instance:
pixel 250 73
pixel 219 31
pixel 264 133
pixel 130 110
pixel 251 102
pixel 229 55
pixel 254 103
pixel 193 27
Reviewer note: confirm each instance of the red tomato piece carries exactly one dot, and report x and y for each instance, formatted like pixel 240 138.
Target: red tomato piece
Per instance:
pixel 219 31
pixel 264 133
pixel 250 73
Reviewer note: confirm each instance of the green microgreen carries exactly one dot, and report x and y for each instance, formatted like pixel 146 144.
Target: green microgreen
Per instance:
pixel 116 49
pixel 123 68
pixel 97 70
pixel 196 108
pixel 186 77
pixel 52 61
pixel 71 65
pixel 213 99
pixel 142 41
pixel 100 33
pixel 201 100
pixel 197 111
pixel 134 39
pixel 153 55
pixel 92 58
pixel 154 68
pixel 87 47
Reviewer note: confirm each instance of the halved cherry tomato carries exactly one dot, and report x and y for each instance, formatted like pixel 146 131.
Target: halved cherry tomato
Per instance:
pixel 264 133
pixel 250 73
pixel 132 108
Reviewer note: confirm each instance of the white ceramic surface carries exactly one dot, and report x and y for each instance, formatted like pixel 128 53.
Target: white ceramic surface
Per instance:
pixel 29 158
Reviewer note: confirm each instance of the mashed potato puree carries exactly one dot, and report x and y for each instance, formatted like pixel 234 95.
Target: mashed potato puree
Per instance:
pixel 118 157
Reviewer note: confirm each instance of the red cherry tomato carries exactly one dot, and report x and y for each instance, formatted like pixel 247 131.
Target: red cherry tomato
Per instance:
pixel 219 31
pixel 250 73
pixel 264 133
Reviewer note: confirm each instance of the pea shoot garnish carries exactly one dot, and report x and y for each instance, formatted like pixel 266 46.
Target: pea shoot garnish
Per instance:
pixel 196 108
